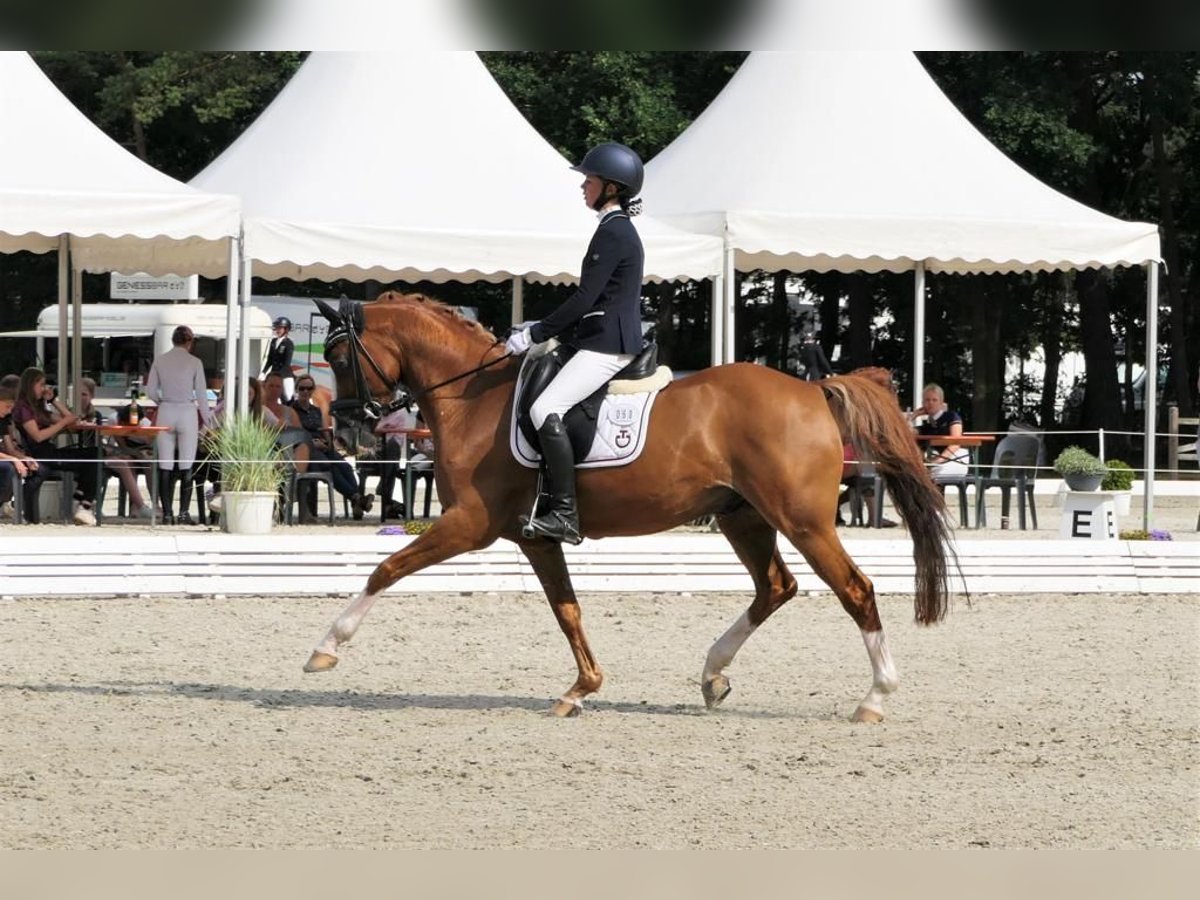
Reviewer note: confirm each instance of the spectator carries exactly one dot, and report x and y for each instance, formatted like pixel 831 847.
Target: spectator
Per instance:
pixel 177 384
pixel 323 455
pixel 935 418
pixel 12 459
pixel 39 417
pixel 123 462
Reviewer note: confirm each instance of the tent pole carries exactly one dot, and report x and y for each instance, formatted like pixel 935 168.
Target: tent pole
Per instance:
pixel 518 301
pixel 242 400
pixel 730 304
pixel 714 316
pixel 64 284
pixel 76 334
pixel 1150 398
pixel 918 384
pixel 232 379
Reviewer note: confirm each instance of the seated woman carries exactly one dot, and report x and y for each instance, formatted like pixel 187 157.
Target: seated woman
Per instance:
pixel 935 418
pixel 123 461
pixel 322 454
pixel 39 417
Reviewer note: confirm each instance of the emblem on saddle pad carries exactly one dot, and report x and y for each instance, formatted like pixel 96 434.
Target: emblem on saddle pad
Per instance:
pixel 620 424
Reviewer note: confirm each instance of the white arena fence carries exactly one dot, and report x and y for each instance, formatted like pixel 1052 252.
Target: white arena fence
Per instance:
pixel 203 565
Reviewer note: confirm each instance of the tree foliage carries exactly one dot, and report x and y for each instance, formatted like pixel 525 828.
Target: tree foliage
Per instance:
pixel 1117 131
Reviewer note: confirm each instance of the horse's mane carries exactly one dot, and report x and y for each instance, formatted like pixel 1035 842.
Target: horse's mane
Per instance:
pixel 449 313
pixel 877 374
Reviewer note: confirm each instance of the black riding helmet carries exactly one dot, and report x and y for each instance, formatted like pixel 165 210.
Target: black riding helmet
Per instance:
pixel 282 322
pixel 616 163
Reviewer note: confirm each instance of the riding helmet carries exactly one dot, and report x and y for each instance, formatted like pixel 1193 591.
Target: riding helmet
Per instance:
pixel 282 322
pixel 614 162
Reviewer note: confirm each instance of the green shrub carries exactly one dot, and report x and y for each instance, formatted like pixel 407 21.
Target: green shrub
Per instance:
pixel 1119 477
pixel 250 458
pixel 1077 461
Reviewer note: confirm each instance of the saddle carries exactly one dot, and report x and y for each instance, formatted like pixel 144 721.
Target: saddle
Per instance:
pixel 582 418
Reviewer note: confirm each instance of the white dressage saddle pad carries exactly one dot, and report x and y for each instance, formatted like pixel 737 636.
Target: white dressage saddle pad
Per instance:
pixel 620 428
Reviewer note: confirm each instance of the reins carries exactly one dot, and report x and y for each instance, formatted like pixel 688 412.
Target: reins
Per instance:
pixel 486 365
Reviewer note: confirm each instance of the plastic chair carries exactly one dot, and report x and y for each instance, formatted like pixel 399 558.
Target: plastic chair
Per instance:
pixel 292 491
pixel 860 486
pixel 961 483
pixel 414 469
pixel 66 494
pixel 1014 467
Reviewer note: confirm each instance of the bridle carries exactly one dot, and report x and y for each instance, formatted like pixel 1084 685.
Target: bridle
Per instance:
pixel 347 325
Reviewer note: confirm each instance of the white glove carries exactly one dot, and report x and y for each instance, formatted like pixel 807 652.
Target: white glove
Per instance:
pixel 518 342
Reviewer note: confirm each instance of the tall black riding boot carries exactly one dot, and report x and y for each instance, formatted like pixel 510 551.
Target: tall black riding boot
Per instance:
pixel 561 521
pixel 166 495
pixel 185 497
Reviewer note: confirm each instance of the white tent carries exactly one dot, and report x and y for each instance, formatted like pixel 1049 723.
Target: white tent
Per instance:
pixel 413 166
pixel 60 174
pixel 857 161
pixel 66 186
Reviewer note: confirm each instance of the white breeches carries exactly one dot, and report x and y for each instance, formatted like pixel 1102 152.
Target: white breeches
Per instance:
pixel 185 429
pixel 583 374
pixel 954 468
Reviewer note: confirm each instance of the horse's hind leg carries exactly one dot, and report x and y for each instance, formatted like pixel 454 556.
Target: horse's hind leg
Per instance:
pixel 550 567
pixel 754 542
pixel 834 566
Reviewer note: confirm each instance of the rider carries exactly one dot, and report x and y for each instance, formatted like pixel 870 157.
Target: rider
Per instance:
pixel 279 356
pixel 605 311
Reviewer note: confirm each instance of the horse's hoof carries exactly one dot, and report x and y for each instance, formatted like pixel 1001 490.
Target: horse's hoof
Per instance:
pixel 320 662
pixel 565 709
pixel 715 690
pixel 862 714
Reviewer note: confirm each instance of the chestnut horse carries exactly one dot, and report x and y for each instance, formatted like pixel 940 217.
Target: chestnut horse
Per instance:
pixel 759 449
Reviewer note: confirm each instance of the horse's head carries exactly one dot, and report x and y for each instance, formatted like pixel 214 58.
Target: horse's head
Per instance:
pixel 365 389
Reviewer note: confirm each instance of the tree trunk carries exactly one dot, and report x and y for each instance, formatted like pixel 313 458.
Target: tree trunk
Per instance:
pixel 858 287
pixel 1102 395
pixel 780 323
pixel 664 331
pixel 1179 389
pixel 1052 347
pixel 987 357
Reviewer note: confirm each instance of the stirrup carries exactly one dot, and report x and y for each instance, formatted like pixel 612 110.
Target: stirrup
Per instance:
pixel 558 529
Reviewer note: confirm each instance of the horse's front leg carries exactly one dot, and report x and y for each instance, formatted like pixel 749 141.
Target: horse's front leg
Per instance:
pixel 449 536
pixel 550 566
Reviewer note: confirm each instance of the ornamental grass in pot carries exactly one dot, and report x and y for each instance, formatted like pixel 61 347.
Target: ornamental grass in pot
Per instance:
pixel 252 468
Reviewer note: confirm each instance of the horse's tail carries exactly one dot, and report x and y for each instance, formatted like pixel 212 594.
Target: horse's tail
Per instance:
pixel 870 419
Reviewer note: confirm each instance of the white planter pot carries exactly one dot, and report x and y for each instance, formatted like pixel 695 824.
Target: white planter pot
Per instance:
pixel 248 512
pixel 1122 500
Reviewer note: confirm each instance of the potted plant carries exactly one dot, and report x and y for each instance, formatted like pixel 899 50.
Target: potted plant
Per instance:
pixel 1119 480
pixel 252 467
pixel 1081 470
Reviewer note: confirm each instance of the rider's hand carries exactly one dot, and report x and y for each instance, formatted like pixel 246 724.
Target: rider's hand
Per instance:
pixel 518 342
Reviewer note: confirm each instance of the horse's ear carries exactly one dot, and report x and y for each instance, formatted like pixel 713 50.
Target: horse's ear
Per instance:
pixel 352 313
pixel 327 311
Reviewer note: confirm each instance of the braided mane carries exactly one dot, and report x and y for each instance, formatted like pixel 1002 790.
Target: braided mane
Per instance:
pixel 435 306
